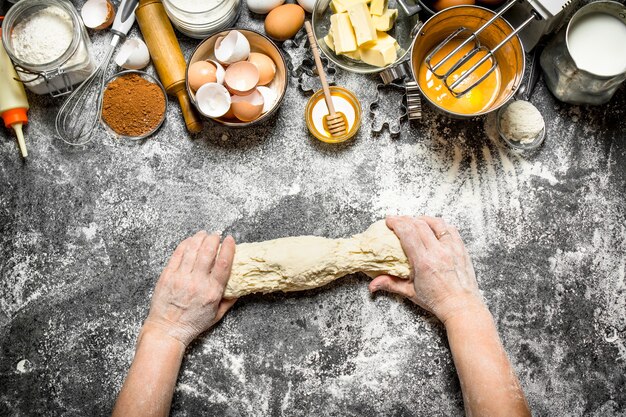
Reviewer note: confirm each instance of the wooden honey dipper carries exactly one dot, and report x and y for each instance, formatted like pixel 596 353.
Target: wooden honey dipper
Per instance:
pixel 167 57
pixel 336 121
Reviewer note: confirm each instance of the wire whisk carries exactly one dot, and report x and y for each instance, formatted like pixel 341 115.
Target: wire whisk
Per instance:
pixel 80 113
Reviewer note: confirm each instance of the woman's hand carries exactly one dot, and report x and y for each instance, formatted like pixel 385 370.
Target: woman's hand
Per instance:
pixel 442 277
pixel 188 299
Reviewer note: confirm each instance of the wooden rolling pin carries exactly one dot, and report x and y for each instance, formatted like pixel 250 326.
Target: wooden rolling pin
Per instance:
pixel 167 57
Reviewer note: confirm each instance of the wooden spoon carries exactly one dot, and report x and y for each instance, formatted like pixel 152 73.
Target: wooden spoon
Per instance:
pixel 335 121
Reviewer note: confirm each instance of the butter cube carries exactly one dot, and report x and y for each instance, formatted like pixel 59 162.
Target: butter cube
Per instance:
pixel 328 39
pixel 341 6
pixel 362 23
pixel 380 53
pixel 385 38
pixel 356 55
pixel 342 33
pixel 385 21
pixel 378 7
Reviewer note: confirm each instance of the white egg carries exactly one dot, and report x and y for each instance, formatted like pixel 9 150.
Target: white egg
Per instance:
pixel 133 54
pixel 232 48
pixel 269 97
pixel 220 72
pixel 213 100
pixel 263 6
pixel 307 5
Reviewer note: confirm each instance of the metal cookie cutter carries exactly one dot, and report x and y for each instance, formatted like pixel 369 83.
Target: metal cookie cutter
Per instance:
pixel 386 102
pixel 302 67
pixel 402 72
pixel 413 101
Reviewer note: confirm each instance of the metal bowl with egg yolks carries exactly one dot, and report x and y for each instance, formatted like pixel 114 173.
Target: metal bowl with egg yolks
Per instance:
pixel 258 43
pixel 510 58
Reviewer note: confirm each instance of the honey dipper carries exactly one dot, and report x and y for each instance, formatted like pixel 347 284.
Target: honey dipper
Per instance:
pixel 335 121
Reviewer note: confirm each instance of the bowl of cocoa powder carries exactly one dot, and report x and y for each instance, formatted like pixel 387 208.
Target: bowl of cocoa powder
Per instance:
pixel 134 104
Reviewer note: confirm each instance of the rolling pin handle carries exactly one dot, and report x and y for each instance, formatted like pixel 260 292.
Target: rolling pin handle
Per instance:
pixel 192 121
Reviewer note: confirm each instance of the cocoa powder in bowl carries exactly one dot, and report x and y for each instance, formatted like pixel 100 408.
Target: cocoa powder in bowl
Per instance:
pixel 132 105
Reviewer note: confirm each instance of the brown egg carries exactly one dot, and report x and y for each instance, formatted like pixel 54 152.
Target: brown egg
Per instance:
pixel 440 5
pixel 265 65
pixel 247 108
pixel 284 21
pixel 241 78
pixel 200 73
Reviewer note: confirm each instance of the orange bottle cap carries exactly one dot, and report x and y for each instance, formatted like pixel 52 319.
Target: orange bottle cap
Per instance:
pixel 13 116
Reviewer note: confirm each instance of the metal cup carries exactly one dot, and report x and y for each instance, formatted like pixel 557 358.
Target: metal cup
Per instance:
pixel 564 78
pixel 510 57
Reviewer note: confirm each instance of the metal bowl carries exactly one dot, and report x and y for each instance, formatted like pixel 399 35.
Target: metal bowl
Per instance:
pixel 148 77
pixel 258 43
pixel 401 31
pixel 510 57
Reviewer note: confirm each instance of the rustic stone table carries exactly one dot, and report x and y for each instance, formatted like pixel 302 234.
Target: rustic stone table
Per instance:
pixel 85 232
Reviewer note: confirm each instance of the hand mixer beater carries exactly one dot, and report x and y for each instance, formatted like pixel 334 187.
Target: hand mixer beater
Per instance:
pixel 79 114
pixel 455 74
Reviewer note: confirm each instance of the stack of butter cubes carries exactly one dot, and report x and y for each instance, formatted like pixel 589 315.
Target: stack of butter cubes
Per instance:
pixel 358 30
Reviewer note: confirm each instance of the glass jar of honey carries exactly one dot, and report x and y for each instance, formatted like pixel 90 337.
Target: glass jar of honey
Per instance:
pixel 345 102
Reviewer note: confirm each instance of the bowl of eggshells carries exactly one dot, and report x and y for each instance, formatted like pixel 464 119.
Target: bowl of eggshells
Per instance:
pixel 237 78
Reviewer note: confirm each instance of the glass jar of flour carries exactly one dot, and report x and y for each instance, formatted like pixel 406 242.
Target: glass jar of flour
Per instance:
pixel 198 19
pixel 48 44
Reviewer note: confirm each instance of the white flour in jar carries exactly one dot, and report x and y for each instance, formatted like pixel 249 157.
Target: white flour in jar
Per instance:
pixel 43 37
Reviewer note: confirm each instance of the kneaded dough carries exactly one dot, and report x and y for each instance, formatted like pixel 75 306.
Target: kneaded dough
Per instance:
pixel 304 262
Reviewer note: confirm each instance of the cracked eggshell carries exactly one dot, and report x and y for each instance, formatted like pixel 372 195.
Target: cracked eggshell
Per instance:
pixel 266 66
pixel 98 14
pixel 220 72
pixel 133 54
pixel 232 48
pixel 241 78
pixel 200 73
pixel 269 98
pixel 263 6
pixel 213 100
pixel 248 108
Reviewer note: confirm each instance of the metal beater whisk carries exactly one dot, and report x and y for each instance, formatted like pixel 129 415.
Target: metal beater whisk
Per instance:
pixel 542 9
pixel 79 114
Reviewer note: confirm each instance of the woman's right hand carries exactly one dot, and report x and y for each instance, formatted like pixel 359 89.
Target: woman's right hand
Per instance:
pixel 442 277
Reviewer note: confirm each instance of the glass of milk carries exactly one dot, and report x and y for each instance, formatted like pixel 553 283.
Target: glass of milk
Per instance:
pixel 586 62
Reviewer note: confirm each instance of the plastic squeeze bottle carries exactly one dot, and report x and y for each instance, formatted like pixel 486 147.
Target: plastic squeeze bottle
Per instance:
pixel 13 101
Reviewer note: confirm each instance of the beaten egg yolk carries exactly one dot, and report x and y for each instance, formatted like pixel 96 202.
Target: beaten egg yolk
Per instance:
pixel 474 101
